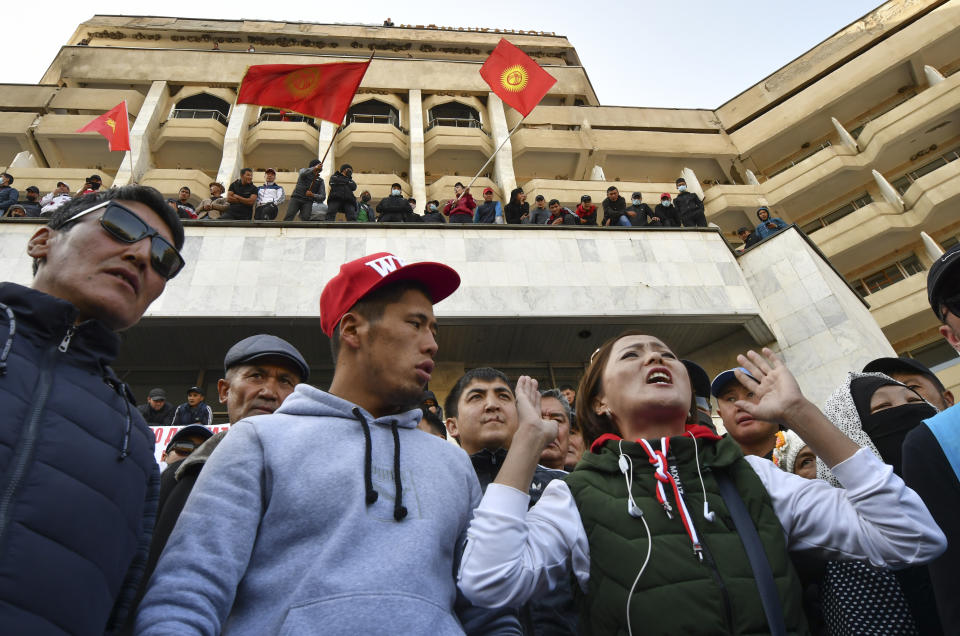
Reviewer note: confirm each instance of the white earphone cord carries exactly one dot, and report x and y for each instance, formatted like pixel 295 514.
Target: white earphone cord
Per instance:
pixel 626 467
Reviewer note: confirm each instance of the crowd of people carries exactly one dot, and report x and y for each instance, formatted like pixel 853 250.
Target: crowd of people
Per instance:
pixel 595 509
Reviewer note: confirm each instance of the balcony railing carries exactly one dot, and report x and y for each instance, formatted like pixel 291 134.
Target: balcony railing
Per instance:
pixel 903 183
pixel 457 122
pixel 795 161
pixel 286 117
pixel 198 113
pixel 362 118
pixel 889 275
pixel 836 215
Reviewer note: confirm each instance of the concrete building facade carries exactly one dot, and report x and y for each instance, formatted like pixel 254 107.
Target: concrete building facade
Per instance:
pixel 855 143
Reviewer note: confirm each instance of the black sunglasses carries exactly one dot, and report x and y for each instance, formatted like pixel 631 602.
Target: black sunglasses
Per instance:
pixel 183 448
pixel 124 225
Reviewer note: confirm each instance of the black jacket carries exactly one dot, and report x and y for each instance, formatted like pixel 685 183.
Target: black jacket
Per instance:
pixel 643 216
pixel 392 209
pixel 569 218
pixel 341 188
pixel 163 417
pixel 668 216
pixel 690 210
pixel 77 468
pixel 512 212
pixel 613 210
pixel 185 415
pixel 305 182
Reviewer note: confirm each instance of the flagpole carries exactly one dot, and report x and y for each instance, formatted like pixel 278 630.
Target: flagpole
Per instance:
pixel 502 143
pixel 340 127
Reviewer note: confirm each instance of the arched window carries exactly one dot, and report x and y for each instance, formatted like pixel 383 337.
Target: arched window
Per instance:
pixel 201 106
pixel 373 111
pixel 453 114
pixel 273 114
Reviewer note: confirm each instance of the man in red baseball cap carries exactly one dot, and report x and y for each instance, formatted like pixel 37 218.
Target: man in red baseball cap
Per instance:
pixel 334 510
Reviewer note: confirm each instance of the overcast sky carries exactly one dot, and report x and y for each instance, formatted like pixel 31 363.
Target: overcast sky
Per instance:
pixel 695 54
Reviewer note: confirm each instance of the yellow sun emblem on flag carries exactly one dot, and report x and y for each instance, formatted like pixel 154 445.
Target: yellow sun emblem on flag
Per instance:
pixel 304 82
pixel 112 124
pixel 514 78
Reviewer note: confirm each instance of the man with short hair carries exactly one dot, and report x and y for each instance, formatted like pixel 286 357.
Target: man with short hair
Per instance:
pixel 554 406
pixel 216 205
pixel 460 209
pixel 412 216
pixel 560 215
pixel 55 199
pixel 341 199
pixel 433 213
pixel 157 412
pixel 640 214
pixel 931 451
pixel 182 205
pixel 365 212
pixel 755 437
pixel 78 460
pixel 586 211
pixel 539 214
pixel 393 208
pixel 310 189
pixel 916 376
pixel 269 197
pixel 689 207
pixel 241 195
pixel 31 206
pixel 570 393
pixel 488 211
pixel 194 410
pixel 666 212
pixel 748 237
pixel 8 194
pixel 615 209
pixel 768 226
pixel 91 185
pixel 318 516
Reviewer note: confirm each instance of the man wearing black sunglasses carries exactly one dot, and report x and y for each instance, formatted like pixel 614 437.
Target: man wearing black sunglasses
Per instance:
pixel 76 459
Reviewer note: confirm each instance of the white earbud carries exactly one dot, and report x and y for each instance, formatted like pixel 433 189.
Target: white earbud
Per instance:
pixel 708 514
pixel 633 509
pixel 622 462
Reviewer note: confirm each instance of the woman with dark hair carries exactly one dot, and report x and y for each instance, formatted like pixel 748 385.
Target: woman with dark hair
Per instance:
pixel 666 526
pixel 517 208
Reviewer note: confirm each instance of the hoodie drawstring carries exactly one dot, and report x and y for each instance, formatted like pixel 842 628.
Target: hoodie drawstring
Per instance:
pixel 399 511
pixel 11 332
pixel 372 494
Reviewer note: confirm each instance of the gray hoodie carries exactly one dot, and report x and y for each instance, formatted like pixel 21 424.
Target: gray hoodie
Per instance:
pixel 278 535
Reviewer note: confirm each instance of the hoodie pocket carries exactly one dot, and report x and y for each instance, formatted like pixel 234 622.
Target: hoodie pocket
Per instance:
pixel 371 613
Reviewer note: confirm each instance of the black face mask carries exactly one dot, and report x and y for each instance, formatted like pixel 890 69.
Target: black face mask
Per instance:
pixel 365 198
pixel 888 428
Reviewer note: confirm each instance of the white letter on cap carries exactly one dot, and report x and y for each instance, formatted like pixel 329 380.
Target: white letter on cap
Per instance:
pixel 385 264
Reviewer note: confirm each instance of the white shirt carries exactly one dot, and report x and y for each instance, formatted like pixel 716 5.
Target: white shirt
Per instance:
pixel 52 201
pixel 513 554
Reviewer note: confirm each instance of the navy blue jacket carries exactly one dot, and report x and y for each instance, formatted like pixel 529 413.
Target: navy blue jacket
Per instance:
pixel 78 479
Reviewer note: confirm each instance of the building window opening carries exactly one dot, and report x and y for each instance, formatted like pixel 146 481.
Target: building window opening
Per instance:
pixel 834 216
pixel 201 106
pixel 454 114
pixel 373 111
pixel 889 275
pixel 272 114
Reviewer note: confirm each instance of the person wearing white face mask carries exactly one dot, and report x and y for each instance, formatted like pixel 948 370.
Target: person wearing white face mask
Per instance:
pixel 666 212
pixel 689 206
pixel 433 214
pixel 393 208
pixel 640 213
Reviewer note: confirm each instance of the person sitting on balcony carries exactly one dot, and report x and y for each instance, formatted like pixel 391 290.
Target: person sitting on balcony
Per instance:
pixel 365 213
pixel 269 197
pixel 31 206
pixel 539 215
pixel 412 216
pixel 216 205
pixel 15 211
pixel 8 194
pixel 433 214
pixel 341 199
pixel 182 204
pixel 560 215
pixel 749 239
pixel 393 208
pixel 242 196
pixel 517 208
pixel 639 213
pixel 689 207
pixel 92 184
pixel 310 189
pixel 460 210
pixel 489 211
pixel 615 209
pixel 666 213
pixel 587 211
pixel 55 199
pixel 767 225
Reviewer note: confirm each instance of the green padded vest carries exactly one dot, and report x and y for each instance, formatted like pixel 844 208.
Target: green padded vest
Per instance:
pixel 677 594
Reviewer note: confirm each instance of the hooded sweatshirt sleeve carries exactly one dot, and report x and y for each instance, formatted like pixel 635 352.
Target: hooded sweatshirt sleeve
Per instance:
pixel 874 517
pixel 194 585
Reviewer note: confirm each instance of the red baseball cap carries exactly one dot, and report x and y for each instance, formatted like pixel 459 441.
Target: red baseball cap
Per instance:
pixel 665 195
pixel 363 275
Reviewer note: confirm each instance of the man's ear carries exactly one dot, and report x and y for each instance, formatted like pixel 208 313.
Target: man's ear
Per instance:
pixel 948 398
pixel 223 390
pixel 39 244
pixel 353 327
pixel 452 430
pixel 951 336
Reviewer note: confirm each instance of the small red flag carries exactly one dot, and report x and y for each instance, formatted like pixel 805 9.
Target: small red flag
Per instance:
pixel 515 77
pixel 113 125
pixel 323 91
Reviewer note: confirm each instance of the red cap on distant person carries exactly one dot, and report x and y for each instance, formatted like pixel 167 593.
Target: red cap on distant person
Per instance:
pixel 665 195
pixel 363 275
pixel 486 190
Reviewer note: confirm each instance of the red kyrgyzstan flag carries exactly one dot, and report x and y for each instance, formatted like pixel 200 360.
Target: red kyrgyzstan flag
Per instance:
pixel 113 125
pixel 323 91
pixel 517 79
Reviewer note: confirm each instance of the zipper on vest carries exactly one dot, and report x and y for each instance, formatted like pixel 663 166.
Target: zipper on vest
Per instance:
pixel 25 450
pixel 65 343
pixel 708 560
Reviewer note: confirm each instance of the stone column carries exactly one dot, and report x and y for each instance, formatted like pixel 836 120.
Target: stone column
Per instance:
pixel 148 120
pixel 417 179
pixel 327 130
pixel 503 162
pixel 240 119
pixel 24 159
